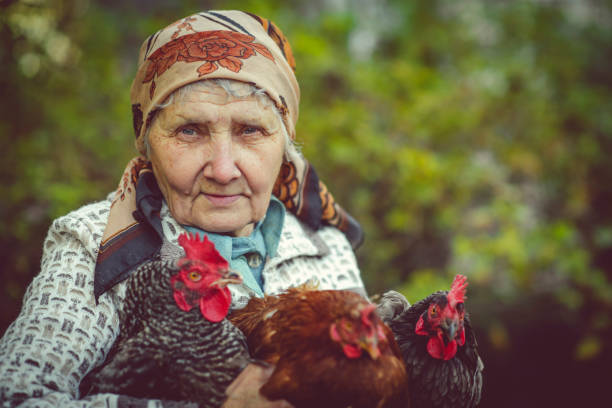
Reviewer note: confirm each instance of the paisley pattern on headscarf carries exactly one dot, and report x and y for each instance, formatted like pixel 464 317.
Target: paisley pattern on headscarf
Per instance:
pixel 216 44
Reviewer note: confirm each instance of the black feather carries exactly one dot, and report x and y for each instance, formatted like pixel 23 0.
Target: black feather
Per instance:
pixel 163 352
pixel 434 383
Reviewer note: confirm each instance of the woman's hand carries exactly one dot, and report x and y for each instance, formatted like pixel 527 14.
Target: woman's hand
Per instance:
pixel 244 391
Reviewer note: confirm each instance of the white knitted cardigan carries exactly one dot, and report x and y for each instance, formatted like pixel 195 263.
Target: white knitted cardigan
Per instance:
pixel 61 334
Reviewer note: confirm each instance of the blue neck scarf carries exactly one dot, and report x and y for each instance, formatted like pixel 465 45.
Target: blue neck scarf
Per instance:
pixel 247 255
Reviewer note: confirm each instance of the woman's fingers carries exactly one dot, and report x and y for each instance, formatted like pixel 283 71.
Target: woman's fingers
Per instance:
pixel 244 390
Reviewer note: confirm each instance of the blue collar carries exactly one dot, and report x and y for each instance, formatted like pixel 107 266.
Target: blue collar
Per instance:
pixel 263 240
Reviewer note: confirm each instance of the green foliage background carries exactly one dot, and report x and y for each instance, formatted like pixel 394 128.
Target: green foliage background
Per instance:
pixel 467 136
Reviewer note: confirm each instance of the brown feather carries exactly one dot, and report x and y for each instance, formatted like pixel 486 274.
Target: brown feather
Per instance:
pixel 292 331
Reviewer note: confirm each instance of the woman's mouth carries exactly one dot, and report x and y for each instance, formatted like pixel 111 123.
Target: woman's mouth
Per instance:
pixel 222 200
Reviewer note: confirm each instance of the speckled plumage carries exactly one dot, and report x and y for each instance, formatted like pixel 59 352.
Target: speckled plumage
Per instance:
pixel 434 383
pixel 164 352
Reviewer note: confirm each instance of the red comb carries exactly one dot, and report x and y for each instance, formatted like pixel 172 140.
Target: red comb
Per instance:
pixel 457 291
pixel 204 251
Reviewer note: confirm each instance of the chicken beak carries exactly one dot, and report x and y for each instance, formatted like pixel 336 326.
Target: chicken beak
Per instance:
pixel 370 344
pixel 449 328
pixel 229 277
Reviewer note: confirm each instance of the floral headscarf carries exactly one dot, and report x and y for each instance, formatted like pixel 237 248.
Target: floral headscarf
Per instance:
pixel 215 44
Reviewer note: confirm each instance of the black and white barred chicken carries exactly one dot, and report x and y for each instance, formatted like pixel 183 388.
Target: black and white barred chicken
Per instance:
pixel 438 345
pixel 175 343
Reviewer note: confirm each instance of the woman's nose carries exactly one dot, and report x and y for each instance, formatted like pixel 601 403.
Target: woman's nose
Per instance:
pixel 221 163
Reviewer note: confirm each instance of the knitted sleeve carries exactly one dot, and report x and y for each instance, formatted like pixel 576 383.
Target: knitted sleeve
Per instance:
pixel 61 333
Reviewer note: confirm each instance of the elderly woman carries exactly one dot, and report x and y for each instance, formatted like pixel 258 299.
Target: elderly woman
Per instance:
pixel 215 103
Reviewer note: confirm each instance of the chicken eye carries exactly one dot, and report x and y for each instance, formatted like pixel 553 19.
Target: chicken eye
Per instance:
pixel 434 310
pixel 194 276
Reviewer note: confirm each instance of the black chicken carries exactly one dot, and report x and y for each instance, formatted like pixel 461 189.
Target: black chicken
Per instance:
pixel 166 349
pixel 438 346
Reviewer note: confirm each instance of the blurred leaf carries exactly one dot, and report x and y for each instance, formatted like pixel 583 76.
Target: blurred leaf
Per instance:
pixel 588 348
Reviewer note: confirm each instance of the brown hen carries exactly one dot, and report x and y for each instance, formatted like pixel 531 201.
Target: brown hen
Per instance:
pixel 329 347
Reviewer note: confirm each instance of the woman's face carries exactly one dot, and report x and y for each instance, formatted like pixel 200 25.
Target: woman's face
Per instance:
pixel 216 159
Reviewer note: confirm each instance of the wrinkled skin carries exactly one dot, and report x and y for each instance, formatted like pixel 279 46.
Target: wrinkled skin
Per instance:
pixel 216 159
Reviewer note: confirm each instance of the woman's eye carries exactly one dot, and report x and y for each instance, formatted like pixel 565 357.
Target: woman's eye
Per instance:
pixel 251 130
pixel 188 131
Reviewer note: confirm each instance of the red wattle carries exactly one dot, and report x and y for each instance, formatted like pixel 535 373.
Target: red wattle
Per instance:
pixel 436 349
pixel 450 350
pixel 420 327
pixel 215 306
pixel 179 298
pixel 351 351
